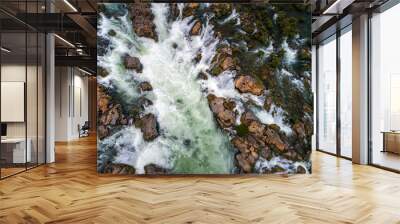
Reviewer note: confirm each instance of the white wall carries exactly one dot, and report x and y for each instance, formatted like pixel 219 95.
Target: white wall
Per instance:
pixel 314 90
pixel 71 102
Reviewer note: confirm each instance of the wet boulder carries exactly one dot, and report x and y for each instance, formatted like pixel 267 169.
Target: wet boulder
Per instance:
pixel 133 63
pixel 247 84
pixel 196 29
pixel 149 126
pixel 299 129
pixel 247 117
pixel 118 168
pixel 227 64
pixel 142 20
pixel 243 163
pixel 102 72
pixel 247 145
pixel 301 170
pixel 102 131
pixel 223 110
pixel 102 103
pixel 257 129
pixel 224 61
pixel 190 9
pixel 154 169
pixel 145 86
pixel 273 138
pixel 198 57
pixel 112 116
pixel 221 10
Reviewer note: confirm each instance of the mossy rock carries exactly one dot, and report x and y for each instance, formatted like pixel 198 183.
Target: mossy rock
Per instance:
pixel 242 130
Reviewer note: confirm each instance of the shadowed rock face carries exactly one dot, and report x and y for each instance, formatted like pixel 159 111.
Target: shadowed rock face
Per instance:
pixel 248 152
pixel 142 20
pixel 109 114
pixel 145 86
pixel 149 127
pixel 117 168
pixel 196 29
pixel 223 110
pixel 133 63
pixel 154 169
pixel 247 84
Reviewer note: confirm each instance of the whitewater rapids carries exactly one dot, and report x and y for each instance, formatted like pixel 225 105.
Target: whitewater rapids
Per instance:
pixel 190 141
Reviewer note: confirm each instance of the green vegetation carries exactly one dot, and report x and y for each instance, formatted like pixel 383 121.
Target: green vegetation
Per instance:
pixel 242 130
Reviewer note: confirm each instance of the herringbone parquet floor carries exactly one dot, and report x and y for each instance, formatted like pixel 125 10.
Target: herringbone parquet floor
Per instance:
pixel 70 191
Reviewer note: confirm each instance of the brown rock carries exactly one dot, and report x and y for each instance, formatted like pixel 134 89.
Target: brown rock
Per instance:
pixel 223 110
pixel 102 104
pixel 149 127
pixel 226 51
pixel 102 72
pixel 301 170
pixel 133 63
pixel 190 9
pixel 196 29
pixel 145 86
pixel 248 152
pixel 118 168
pixel 246 145
pixel 247 84
pixel 226 118
pixel 229 105
pixel 112 116
pixel 247 117
pixel 257 129
pixel 299 129
pixel 268 103
pixel 227 64
pixel 266 153
pixel 142 20
pixel 153 169
pixel 102 131
pixel 272 137
pixel 244 164
pixel 193 5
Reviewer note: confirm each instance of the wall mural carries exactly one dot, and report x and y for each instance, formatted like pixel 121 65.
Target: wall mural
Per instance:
pixel 204 88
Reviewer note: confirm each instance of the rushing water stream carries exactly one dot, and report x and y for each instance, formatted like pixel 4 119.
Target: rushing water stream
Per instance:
pixel 190 141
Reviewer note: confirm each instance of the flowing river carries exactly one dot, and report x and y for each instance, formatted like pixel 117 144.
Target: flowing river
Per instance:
pixel 189 141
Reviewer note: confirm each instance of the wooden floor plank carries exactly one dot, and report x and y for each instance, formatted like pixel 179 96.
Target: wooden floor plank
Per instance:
pixel 71 191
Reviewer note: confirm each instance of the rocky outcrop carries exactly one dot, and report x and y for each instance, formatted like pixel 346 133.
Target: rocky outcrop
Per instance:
pixel 221 10
pixel 149 126
pixel 153 169
pixel 133 63
pixel 109 114
pixel 260 139
pixel 272 137
pixel 190 9
pixel 247 84
pixel 299 129
pixel 118 168
pixel 248 152
pixel 223 110
pixel 142 20
pixel 102 101
pixel 102 131
pixel 224 61
pixel 196 29
pixel 145 86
